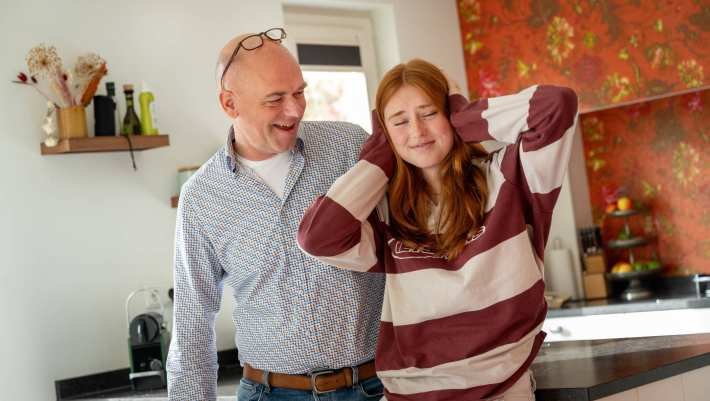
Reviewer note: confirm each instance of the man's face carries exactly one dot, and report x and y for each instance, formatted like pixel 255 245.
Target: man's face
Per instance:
pixel 268 98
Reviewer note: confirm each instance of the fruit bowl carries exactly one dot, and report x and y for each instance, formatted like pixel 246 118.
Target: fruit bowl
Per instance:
pixel 627 243
pixel 635 290
pixel 624 213
pixel 636 274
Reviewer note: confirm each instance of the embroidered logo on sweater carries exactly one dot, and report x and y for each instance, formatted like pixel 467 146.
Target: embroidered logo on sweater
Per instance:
pixel 401 251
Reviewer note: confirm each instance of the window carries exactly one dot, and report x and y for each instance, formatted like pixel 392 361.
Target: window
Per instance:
pixel 337 95
pixel 337 57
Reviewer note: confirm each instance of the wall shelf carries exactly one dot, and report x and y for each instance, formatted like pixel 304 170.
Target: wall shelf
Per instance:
pixel 106 144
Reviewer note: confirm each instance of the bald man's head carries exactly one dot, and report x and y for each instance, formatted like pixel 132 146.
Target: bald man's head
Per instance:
pixel 263 94
pixel 225 54
pixel 270 51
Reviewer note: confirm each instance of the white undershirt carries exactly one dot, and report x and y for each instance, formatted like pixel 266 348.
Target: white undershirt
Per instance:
pixel 272 171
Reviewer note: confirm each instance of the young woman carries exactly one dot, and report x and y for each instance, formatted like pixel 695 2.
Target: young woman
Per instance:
pixel 459 232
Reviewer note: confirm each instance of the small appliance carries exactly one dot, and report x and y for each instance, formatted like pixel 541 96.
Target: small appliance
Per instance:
pixel 148 341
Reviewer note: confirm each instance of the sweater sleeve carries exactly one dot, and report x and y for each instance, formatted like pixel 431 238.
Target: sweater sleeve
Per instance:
pixel 537 126
pixel 539 121
pixel 342 227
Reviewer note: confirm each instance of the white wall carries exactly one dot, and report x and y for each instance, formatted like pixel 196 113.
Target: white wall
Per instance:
pixel 572 211
pixel 430 29
pixel 80 232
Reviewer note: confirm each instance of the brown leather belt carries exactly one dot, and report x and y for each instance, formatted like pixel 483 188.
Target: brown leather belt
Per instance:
pixel 322 381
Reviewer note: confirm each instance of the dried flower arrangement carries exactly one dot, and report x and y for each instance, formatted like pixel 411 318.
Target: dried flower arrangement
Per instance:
pixel 61 87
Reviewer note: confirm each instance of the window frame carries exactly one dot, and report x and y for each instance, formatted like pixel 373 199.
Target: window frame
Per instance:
pixel 340 30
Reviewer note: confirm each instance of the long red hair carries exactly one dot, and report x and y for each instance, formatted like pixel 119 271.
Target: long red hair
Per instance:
pixel 463 191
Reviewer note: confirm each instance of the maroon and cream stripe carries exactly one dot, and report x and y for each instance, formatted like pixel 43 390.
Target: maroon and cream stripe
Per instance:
pixel 438 341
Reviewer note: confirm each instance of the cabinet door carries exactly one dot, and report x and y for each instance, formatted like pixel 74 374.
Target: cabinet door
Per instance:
pixel 625 325
pixel 630 395
pixel 689 386
pixel 696 386
pixel 670 389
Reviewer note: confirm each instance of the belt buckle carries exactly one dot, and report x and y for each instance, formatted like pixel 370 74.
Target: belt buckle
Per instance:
pixel 314 375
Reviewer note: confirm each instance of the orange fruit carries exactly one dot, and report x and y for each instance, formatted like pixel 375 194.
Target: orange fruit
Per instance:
pixel 625 268
pixel 623 203
pixel 622 267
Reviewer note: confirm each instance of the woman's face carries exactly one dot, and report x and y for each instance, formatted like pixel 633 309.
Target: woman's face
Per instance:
pixel 421 133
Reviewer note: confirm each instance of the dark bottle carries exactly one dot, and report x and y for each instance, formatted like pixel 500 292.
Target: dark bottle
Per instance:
pixel 131 123
pixel 111 92
pixel 105 112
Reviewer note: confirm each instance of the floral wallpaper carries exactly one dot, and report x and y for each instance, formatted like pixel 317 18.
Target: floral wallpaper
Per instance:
pixel 616 52
pixel 609 51
pixel 658 153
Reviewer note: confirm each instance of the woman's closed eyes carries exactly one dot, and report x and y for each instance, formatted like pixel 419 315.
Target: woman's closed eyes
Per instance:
pixel 427 115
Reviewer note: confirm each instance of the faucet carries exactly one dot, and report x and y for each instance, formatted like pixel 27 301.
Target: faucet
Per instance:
pixel 701 285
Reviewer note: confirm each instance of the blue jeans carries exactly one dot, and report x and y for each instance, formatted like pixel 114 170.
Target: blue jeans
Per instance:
pixel 367 390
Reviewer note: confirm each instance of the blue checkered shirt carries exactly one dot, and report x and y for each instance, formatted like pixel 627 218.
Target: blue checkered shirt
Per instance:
pixel 292 313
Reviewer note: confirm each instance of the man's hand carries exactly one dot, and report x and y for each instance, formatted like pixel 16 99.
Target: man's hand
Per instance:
pixel 377 149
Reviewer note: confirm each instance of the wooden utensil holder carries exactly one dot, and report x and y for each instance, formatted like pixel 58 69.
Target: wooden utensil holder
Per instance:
pixel 72 122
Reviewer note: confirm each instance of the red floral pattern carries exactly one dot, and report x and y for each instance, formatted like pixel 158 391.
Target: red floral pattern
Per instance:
pixel 609 51
pixel 659 152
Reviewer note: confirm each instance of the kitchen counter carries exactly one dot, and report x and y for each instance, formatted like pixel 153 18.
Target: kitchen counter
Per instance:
pixel 613 305
pixel 227 386
pixel 590 370
pixel 566 371
pixel 669 293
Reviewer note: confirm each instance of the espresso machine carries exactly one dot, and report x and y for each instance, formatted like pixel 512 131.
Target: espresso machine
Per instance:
pixel 148 341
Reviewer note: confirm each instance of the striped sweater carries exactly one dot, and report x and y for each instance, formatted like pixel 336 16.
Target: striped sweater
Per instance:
pixel 468 328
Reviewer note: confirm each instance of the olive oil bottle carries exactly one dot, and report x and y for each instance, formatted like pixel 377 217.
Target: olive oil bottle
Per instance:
pixel 131 124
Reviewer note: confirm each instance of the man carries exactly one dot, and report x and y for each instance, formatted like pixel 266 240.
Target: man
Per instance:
pixel 302 328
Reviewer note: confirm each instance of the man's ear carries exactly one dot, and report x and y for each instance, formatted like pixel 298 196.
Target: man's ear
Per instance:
pixel 229 104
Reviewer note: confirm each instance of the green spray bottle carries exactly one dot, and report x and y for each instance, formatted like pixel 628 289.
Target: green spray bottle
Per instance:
pixel 148 121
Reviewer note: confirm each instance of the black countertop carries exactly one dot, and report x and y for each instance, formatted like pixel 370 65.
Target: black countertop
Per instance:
pixel 564 371
pixel 227 387
pixel 589 370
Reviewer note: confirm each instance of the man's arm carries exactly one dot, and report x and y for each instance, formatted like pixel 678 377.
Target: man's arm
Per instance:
pixel 192 360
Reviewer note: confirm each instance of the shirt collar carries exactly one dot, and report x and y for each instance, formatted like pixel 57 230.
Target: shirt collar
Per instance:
pixel 231 156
